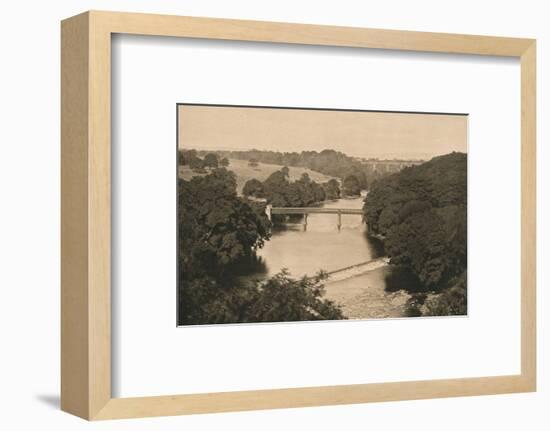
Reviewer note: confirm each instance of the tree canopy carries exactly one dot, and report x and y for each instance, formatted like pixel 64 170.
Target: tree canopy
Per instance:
pixel 420 213
pixel 328 162
pixel 216 226
pixel 332 189
pixel 211 160
pixel 254 188
pixel 279 191
pixel 351 186
pixel 217 230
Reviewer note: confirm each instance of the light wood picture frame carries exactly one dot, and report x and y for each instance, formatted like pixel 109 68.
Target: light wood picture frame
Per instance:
pixel 86 213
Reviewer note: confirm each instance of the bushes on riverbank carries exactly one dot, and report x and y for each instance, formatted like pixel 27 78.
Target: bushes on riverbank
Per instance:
pixel 420 213
pixel 217 230
pixel 279 191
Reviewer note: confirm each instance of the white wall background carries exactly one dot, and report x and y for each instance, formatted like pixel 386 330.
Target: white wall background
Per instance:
pixel 29 218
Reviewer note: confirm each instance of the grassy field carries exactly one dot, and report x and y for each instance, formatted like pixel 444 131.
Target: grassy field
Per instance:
pixel 260 172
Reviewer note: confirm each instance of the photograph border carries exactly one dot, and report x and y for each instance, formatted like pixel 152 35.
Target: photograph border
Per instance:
pixel 294 108
pixel 86 213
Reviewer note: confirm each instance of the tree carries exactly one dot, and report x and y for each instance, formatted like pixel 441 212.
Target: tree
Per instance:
pixel 285 171
pixel 280 192
pixel 328 162
pixel 278 299
pixel 195 162
pixel 332 189
pixel 211 160
pixel 421 214
pixel 253 163
pixel 304 190
pixel 297 196
pixel 452 301
pixel 318 191
pixel 224 162
pixel 276 189
pixel 184 156
pixel 351 186
pixel 282 298
pixel 420 244
pixel 253 187
pixel 217 229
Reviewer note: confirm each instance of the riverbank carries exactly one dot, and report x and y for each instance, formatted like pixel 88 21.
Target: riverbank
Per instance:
pixel 356 263
pixel 364 296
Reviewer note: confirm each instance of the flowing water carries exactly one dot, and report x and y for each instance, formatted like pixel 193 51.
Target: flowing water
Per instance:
pixel 361 290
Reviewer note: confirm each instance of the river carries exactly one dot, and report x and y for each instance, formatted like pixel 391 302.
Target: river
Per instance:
pixel 360 291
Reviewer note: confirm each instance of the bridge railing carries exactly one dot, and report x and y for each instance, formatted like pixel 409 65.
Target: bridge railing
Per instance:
pixel 312 210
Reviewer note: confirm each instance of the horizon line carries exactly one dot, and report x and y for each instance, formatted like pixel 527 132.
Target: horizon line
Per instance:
pixel 307 108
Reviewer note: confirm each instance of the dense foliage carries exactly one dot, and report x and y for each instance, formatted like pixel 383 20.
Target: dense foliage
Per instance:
pixel 218 229
pixel 210 160
pixel 254 188
pixel 283 299
pixel 420 213
pixel 332 189
pixel 449 302
pixel 191 158
pixel 279 191
pixel 328 162
pixel 351 186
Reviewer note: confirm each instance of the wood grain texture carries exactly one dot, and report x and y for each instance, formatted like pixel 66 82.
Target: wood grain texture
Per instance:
pixel 85 208
pixel 261 31
pixel 86 212
pixel 99 221
pixel 75 353
pixel 125 408
pixel 528 215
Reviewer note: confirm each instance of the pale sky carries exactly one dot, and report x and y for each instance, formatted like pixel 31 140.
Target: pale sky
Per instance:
pixel 363 134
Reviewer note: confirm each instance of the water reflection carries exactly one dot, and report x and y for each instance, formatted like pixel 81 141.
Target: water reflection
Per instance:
pixel 323 246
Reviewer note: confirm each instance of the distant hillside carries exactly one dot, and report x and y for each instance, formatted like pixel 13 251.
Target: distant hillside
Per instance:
pixel 245 172
pixel 327 162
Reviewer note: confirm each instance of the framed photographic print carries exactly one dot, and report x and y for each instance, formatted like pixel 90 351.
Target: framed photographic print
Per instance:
pixel 265 215
pixel 300 250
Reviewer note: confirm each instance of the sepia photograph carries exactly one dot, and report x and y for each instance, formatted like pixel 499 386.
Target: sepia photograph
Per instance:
pixel 308 214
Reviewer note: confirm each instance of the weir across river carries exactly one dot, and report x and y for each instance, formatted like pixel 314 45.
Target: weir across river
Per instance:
pixel 270 211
